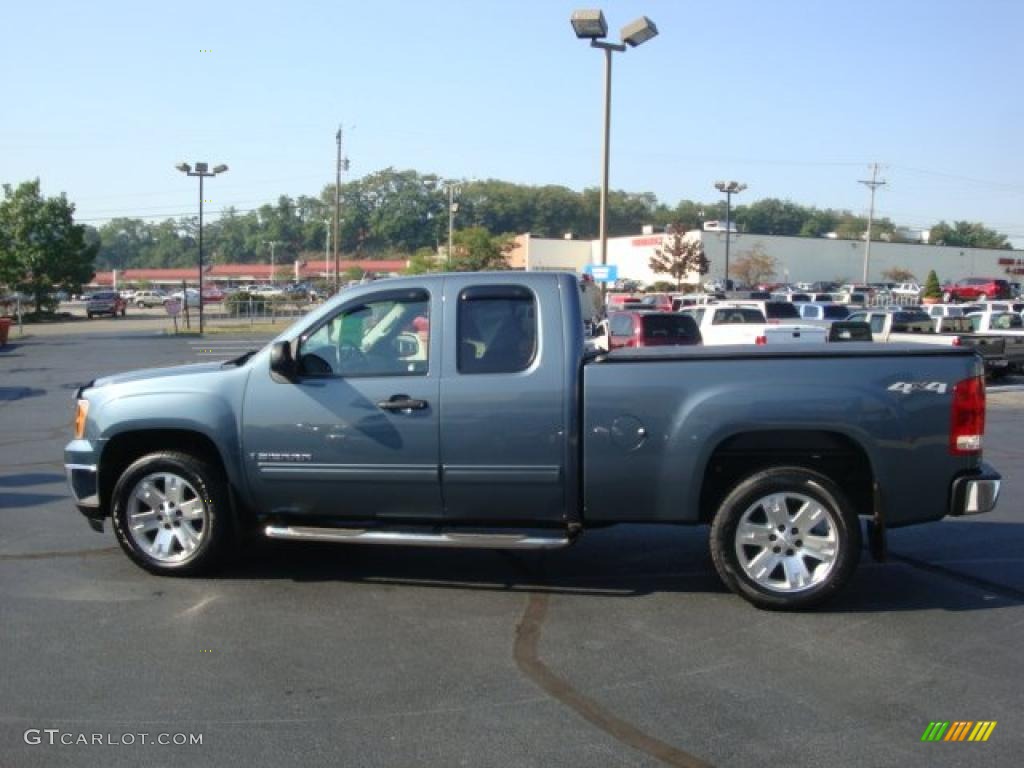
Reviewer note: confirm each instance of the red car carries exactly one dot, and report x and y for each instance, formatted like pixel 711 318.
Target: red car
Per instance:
pixel 976 289
pixel 651 329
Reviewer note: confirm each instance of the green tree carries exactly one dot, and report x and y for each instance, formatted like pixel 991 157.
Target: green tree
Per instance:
pixel 679 257
pixel 477 249
pixel 423 261
pixel 41 247
pixel 932 287
pixel 967 234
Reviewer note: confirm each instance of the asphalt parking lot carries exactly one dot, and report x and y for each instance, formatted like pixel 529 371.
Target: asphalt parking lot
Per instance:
pixel 623 650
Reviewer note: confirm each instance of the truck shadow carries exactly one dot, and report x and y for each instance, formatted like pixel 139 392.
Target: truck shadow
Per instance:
pixel 627 562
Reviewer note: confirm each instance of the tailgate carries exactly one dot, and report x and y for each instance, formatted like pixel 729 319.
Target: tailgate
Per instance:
pixel 794 334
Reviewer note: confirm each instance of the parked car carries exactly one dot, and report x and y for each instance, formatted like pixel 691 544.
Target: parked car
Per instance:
pixel 193 297
pixel 976 289
pixel 622 301
pixel 943 310
pixel 740 323
pixel 906 291
pixel 916 327
pixel 633 328
pixel 1009 326
pixel 783 452
pixel 660 302
pixel 144 299
pixel 105 303
pixel 825 314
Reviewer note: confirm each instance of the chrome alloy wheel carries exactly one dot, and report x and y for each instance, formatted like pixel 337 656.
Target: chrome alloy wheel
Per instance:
pixel 167 518
pixel 787 542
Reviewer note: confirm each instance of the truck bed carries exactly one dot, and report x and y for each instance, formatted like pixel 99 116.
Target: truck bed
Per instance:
pixel 654 421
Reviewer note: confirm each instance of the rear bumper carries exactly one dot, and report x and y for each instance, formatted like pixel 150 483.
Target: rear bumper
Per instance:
pixel 975 493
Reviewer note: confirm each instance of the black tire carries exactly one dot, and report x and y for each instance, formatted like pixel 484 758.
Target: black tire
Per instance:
pixel 842 519
pixel 210 489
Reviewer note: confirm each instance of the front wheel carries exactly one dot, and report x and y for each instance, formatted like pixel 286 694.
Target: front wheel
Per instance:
pixel 785 538
pixel 171 513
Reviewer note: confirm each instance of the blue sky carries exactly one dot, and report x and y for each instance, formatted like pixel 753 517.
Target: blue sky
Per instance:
pixel 100 100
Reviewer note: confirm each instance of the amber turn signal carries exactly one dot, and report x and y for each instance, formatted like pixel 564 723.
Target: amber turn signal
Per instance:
pixel 80 413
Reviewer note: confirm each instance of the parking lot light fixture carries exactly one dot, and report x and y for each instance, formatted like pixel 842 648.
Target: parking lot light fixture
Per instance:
pixel 591 25
pixel 638 32
pixel 201 172
pixel 728 188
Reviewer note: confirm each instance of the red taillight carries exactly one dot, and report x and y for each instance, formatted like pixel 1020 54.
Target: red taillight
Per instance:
pixel 967 422
pixel 761 340
pixel 956 341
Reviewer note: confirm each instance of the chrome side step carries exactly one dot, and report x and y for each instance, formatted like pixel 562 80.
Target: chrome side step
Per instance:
pixel 449 538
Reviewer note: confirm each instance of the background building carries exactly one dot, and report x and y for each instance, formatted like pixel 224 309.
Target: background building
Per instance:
pixel 797 259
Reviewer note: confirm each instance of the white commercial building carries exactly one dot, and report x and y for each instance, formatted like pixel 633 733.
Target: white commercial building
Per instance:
pixel 797 259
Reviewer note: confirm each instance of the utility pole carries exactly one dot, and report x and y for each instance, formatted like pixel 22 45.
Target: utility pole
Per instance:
pixel 271 243
pixel 342 165
pixel 874 184
pixel 453 190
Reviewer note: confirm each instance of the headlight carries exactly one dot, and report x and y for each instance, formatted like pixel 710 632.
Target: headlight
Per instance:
pixel 80 413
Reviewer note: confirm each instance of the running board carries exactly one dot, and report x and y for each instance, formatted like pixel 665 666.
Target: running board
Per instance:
pixel 490 540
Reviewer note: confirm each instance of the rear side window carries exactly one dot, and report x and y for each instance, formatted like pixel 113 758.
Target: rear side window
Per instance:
pixel 497 329
pixel 836 313
pixel 675 327
pixel 780 310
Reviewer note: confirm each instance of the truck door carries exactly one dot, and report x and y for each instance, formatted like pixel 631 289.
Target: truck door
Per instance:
pixel 356 433
pixel 504 400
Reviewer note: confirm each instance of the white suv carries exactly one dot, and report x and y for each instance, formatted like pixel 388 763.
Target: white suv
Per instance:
pixel 148 298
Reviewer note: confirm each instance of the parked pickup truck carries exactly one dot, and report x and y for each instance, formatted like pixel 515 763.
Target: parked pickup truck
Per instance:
pixel 461 411
pixel 915 326
pixel 735 323
pixel 1007 325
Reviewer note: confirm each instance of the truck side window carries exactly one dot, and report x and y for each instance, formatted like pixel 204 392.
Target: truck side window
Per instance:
pixel 386 336
pixel 497 329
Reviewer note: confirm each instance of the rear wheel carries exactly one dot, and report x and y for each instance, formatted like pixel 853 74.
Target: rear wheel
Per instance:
pixel 171 514
pixel 785 538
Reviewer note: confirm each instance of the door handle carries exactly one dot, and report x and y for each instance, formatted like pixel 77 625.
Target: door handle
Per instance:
pixel 402 403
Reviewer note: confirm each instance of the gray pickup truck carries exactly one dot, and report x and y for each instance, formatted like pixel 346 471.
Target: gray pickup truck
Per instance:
pixel 462 410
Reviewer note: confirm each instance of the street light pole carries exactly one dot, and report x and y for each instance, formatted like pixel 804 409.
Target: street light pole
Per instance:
pixel 271 243
pixel 729 188
pixel 591 25
pixel 202 172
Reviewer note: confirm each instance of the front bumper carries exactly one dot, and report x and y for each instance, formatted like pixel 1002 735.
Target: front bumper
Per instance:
pixel 82 471
pixel 977 492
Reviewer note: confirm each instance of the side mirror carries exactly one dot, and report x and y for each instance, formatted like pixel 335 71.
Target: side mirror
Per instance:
pixel 282 365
